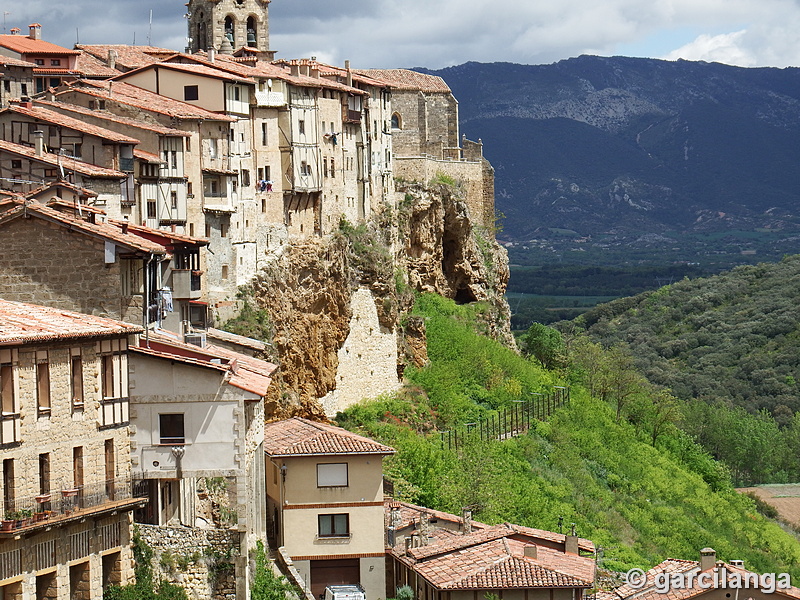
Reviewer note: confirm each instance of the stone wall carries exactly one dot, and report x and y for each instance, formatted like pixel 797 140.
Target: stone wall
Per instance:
pixel 367 359
pixel 470 175
pixel 204 562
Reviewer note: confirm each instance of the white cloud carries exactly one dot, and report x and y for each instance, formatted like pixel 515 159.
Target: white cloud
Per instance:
pixel 438 33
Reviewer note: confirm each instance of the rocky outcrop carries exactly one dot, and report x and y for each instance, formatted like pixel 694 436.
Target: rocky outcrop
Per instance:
pixel 339 305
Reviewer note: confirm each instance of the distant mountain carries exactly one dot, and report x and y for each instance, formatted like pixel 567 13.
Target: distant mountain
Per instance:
pixel 628 146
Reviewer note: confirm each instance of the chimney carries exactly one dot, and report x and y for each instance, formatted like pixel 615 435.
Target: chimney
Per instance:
pixel 15 30
pixel 349 73
pixel 708 558
pixel 212 55
pixel 571 542
pixel 38 141
pixel 737 563
pixel 294 69
pixel 530 551
pixel 125 224
pixel 112 58
pixel 305 70
pixel 466 520
pixel 36 31
pixel 408 544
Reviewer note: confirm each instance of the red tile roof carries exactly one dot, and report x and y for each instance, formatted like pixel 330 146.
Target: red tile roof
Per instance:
pixel 69 164
pixel 649 591
pixel 124 93
pixel 102 115
pixel 147 157
pixel 128 57
pixel 301 437
pixel 110 232
pixel 22 323
pixel 493 559
pixel 7 61
pixel 405 79
pixel 244 372
pixel 91 66
pixel 203 70
pixel 56 118
pixel 24 45
pixel 81 191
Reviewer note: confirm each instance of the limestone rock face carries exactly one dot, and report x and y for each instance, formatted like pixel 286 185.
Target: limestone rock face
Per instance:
pixel 322 296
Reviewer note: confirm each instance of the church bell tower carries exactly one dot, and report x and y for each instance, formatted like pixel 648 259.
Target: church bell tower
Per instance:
pixel 228 26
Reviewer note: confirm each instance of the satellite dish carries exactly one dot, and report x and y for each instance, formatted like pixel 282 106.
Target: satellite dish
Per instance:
pixel 269 83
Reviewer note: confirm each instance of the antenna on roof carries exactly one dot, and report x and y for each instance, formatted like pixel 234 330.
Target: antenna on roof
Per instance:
pixel 5 14
pixel 77 36
pixel 150 31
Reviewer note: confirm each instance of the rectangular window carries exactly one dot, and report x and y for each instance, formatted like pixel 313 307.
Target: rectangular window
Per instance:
pixel 301 126
pixel 107 376
pixel 333 168
pixel 76 370
pixel 171 429
pixel 16 164
pixel 39 61
pixel 304 168
pixel 224 272
pixel 325 166
pixel 245 178
pixel 55 62
pixel 223 230
pixel 151 209
pixel 77 467
pixel 8 484
pixel 43 384
pixel 334 525
pixel 264 136
pixel 174 161
pixel 191 92
pixel 114 404
pixel 9 404
pixel 332 475
pixel 44 473
pixel 236 93
pixel 173 197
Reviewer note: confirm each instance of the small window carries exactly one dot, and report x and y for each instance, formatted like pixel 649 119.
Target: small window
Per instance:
pixel 55 62
pixel 225 272
pixel 301 125
pixel 332 475
pixel 191 92
pixel 39 61
pixel 76 368
pixel 16 164
pixel 173 197
pixel 151 209
pixel 395 121
pixel 245 178
pixel 264 136
pixel 334 525
pixel 43 386
pixel 171 429
pixel 9 404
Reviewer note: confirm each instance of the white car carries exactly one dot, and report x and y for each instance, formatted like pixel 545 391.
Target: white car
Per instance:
pixel 344 592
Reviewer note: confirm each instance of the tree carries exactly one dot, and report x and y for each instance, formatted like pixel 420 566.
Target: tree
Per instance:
pixel 545 344
pixel 267 585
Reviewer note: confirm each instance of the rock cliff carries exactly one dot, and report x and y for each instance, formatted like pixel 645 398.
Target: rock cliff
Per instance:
pixel 333 345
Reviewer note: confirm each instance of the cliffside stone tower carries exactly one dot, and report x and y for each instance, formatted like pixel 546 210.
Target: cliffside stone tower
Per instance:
pixel 230 26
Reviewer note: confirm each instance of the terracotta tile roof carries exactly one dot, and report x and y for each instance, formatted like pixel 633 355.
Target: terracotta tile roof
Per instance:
pixel 244 372
pixel 103 231
pixel 492 559
pixel 405 79
pixel 203 70
pixel 301 437
pixel 102 115
pixel 308 81
pixel 128 57
pixel 22 44
pixel 649 591
pixel 22 323
pixel 232 338
pixel 56 118
pixel 91 66
pixel 81 191
pixel 163 237
pixel 124 93
pixel 69 164
pixel 410 513
pixel 7 61
pixel 147 157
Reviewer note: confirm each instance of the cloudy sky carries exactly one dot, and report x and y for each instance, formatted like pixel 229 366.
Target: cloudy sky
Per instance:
pixel 441 33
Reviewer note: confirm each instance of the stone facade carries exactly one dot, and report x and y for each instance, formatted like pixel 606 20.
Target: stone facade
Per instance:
pixel 66 459
pixel 229 25
pixel 201 561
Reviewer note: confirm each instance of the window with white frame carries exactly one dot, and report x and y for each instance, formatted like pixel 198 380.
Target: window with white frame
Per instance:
pixel 332 475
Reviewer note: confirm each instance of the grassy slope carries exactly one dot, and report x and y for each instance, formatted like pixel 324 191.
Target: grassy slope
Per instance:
pixel 641 504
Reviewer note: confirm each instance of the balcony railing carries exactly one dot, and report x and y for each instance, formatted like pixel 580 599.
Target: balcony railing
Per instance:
pixel 61 504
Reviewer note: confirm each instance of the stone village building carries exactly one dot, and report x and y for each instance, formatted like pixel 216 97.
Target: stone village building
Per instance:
pixel 67 490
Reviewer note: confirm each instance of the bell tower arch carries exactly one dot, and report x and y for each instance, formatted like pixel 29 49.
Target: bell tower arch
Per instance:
pixel 229 26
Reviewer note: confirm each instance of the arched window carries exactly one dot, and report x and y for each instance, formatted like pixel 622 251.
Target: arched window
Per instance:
pixel 252 32
pixel 202 43
pixel 396 121
pixel 229 29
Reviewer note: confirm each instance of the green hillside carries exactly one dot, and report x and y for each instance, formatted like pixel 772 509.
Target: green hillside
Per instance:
pixel 640 503
pixel 731 341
